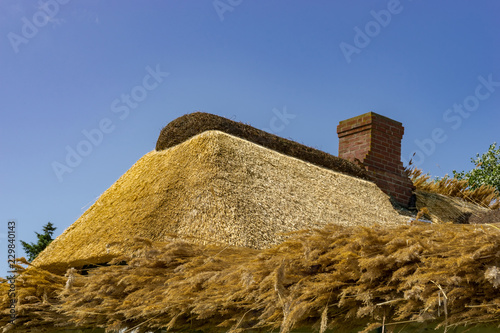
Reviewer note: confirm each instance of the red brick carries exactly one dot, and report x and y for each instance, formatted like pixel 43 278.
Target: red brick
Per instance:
pixel 376 141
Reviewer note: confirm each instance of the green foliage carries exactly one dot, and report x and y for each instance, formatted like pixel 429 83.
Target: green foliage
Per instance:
pixel 32 249
pixel 486 171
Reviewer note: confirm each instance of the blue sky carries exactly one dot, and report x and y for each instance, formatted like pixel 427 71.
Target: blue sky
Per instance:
pixel 118 71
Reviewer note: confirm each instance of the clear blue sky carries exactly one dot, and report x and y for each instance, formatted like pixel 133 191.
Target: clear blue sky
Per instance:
pixel 124 69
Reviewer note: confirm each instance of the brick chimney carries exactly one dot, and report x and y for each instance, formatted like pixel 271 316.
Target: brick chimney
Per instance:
pixel 374 141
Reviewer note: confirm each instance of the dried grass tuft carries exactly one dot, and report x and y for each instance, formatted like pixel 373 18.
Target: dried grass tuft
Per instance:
pixel 452 200
pixel 324 320
pixel 492 274
pixel 484 195
pixel 354 278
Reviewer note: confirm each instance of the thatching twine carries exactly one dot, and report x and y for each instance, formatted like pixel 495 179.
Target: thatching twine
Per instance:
pixel 444 209
pixel 189 125
pixel 215 189
pixel 342 278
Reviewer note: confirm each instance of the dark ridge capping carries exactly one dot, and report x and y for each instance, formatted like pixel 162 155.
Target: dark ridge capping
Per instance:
pixel 189 125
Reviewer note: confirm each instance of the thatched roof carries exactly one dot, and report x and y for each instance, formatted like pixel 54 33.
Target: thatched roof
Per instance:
pixel 446 209
pixel 189 125
pixel 216 189
pixel 406 278
pixel 200 222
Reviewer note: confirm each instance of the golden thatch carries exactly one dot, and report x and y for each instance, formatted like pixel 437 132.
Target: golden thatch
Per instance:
pixel 444 209
pixel 404 278
pixel 452 200
pixel 485 195
pixel 215 189
pixel 200 224
pixel 189 125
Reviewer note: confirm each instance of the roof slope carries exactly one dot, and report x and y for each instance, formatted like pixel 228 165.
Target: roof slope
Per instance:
pixel 444 209
pixel 215 189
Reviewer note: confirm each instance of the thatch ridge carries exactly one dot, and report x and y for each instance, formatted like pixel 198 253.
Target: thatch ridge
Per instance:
pixel 189 125
pixel 341 278
pixel 215 188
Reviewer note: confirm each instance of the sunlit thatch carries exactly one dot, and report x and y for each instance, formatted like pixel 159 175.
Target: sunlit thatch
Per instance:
pixel 215 189
pixel 401 277
pixel 193 239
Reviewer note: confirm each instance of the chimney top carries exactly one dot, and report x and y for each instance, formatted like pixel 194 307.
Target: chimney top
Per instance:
pixel 374 141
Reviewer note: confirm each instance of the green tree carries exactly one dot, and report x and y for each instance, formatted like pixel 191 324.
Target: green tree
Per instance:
pixel 486 170
pixel 32 249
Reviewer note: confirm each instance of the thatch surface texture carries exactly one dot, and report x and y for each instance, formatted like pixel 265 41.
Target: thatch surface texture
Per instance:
pixel 189 125
pixel 404 277
pixel 216 189
pixel 484 195
pixel 492 216
pixel 444 209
